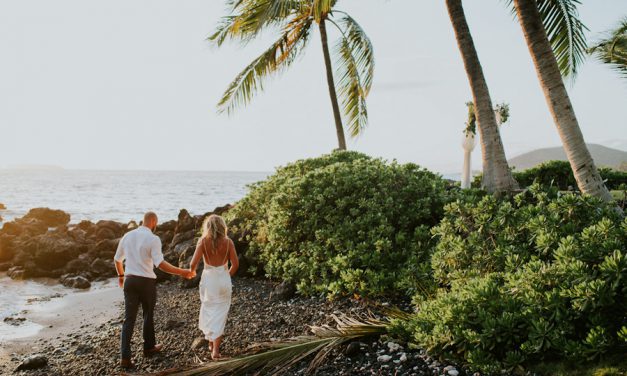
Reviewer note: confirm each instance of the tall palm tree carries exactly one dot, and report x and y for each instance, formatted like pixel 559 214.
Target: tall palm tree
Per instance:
pixel 354 54
pixel 612 50
pixel 497 176
pixel 548 61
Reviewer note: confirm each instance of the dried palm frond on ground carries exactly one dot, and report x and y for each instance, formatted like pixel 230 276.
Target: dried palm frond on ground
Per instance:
pixel 274 358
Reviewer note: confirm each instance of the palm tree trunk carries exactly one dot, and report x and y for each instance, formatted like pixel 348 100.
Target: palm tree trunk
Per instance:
pixel 588 179
pixel 336 108
pixel 497 176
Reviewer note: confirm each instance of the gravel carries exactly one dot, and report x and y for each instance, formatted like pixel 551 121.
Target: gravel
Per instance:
pixel 253 318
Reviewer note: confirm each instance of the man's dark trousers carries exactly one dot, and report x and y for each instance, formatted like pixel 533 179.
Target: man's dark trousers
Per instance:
pixel 138 290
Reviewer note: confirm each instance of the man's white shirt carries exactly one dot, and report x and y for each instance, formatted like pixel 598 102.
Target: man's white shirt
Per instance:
pixel 141 249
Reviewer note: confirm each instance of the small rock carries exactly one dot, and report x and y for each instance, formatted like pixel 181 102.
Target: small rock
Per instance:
pixel 77 282
pixel 384 358
pixel 83 349
pixel 199 343
pixel 453 372
pixel 283 291
pixel 352 349
pixel 403 357
pixel 173 324
pixel 33 362
pixel 393 346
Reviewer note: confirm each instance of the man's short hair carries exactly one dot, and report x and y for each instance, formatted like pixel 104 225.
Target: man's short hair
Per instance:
pixel 150 216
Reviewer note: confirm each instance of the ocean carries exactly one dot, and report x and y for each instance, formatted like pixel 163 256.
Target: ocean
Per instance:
pixel 120 195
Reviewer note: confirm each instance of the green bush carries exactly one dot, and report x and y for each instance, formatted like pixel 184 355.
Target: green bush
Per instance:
pixel 536 277
pixel 344 223
pixel 559 174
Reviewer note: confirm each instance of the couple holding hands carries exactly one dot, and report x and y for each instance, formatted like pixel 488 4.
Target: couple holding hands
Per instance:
pixel 142 251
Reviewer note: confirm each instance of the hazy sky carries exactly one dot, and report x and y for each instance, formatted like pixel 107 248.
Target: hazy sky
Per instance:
pixel 121 84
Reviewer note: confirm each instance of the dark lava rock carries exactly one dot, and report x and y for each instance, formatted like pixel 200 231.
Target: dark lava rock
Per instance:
pixel 76 266
pixel 4 266
pixel 353 349
pixel 102 268
pixel 50 217
pixel 16 272
pixel 106 248
pixel 33 362
pixel 77 282
pixel 284 291
pixel 14 321
pixel 185 222
pixel 6 247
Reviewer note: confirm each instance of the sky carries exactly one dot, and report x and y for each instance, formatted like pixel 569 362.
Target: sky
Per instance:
pixel 120 84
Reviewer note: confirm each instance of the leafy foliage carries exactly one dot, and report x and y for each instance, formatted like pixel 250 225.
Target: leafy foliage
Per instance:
pixel 559 174
pixel 296 19
pixel 565 31
pixel 613 48
pixel 344 223
pixel 535 277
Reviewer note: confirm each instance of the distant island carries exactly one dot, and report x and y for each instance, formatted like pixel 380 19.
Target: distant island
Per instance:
pixel 603 157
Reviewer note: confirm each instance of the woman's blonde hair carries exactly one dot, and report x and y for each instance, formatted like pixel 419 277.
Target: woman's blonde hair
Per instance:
pixel 214 228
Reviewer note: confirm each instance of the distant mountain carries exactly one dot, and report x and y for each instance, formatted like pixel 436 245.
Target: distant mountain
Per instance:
pixel 602 155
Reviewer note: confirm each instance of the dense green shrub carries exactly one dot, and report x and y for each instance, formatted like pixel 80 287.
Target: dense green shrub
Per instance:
pixel 537 276
pixel 344 223
pixel 559 174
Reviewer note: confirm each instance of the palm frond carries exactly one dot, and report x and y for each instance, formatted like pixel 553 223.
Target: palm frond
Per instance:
pixel 274 358
pixel 248 17
pixel 565 31
pixel 612 50
pixel 355 69
pixel 279 56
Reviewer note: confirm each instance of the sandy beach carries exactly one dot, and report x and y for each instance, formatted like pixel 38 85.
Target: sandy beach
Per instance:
pixel 47 319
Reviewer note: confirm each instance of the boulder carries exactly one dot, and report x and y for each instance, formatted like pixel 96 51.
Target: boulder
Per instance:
pixel 165 237
pixel 182 237
pixel 77 265
pixel 162 276
pixel 105 233
pixel 51 217
pixel 4 266
pixel 132 225
pixel 87 226
pixel 284 291
pixel 77 282
pixel 102 268
pixel 116 229
pixel 167 226
pixel 51 252
pixel 220 210
pixel 3 206
pixel 17 272
pixel 33 362
pixel 6 247
pixel 105 248
pixel 185 222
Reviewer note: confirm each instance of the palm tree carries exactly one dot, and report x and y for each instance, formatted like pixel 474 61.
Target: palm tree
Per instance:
pixel 354 54
pixel 497 176
pixel 613 49
pixel 540 21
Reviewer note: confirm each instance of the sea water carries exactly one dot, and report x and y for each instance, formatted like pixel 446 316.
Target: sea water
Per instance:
pixel 120 195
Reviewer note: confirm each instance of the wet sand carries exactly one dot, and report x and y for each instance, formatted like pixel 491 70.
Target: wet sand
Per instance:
pixel 47 321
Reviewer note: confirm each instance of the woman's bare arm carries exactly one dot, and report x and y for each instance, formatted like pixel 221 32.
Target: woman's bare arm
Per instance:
pixel 197 256
pixel 233 258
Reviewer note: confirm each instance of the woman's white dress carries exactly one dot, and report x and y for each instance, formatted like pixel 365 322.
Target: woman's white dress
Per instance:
pixel 215 298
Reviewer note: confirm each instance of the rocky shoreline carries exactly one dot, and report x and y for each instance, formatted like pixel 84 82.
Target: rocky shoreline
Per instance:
pixel 255 317
pixel 44 244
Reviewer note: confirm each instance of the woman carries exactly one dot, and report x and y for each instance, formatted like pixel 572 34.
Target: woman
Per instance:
pixel 216 250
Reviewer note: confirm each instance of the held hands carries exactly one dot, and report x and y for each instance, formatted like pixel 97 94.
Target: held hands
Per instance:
pixel 188 274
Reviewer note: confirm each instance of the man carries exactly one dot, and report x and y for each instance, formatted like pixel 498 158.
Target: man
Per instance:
pixel 141 249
